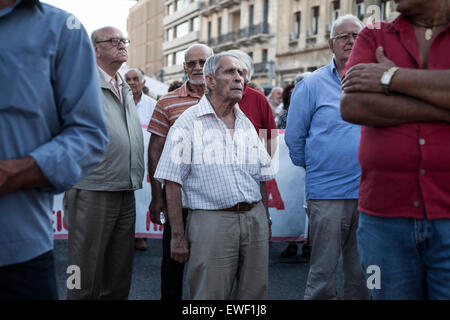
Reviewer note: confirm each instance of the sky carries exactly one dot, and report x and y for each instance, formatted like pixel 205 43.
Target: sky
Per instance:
pixel 94 14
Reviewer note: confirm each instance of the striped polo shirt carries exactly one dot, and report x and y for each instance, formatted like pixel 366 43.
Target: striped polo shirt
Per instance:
pixel 170 107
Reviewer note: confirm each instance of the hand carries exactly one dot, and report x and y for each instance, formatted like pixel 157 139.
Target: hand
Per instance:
pixel 179 248
pixel 365 77
pixel 155 208
pixel 4 174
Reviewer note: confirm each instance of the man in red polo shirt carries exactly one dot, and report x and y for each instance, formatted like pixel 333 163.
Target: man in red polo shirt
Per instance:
pixel 397 86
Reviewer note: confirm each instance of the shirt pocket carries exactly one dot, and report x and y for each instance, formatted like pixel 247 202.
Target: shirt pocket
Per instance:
pixel 25 84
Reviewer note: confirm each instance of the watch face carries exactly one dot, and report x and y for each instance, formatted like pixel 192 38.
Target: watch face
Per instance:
pixel 385 78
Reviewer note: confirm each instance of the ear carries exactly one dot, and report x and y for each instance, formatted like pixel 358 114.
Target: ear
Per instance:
pixel 210 81
pixel 331 45
pixel 143 82
pixel 184 68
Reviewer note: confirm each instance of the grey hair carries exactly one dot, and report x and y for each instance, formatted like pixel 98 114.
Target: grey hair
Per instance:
pixel 212 65
pixel 139 72
pixel 273 89
pixel 247 63
pixel 340 20
pixel 197 45
pixel 299 77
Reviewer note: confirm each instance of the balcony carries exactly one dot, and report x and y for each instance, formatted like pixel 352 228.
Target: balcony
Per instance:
pixel 261 67
pixel 193 36
pixel 212 6
pixel 179 14
pixel 253 34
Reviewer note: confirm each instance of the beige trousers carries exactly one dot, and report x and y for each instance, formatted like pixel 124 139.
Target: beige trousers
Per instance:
pixel 101 242
pixel 226 249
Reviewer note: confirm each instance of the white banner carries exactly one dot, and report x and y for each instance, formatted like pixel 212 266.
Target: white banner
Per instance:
pixel 286 198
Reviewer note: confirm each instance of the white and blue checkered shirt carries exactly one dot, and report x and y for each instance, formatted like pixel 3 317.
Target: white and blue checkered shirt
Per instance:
pixel 215 168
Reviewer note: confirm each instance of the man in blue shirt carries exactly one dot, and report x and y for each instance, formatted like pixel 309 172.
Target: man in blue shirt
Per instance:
pixel 326 146
pixel 52 133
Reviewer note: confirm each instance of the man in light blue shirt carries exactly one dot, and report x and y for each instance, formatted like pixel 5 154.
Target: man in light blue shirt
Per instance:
pixel 52 133
pixel 326 146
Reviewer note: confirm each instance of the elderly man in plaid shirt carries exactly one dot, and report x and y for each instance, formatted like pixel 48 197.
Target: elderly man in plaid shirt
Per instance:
pixel 214 161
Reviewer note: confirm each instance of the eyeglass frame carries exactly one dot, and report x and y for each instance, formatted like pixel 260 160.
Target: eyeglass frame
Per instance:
pixel 201 62
pixel 345 36
pixel 125 41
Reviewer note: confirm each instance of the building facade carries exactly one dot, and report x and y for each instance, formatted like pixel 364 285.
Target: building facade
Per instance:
pixel 304 30
pixel 248 25
pixel 144 27
pixel 284 37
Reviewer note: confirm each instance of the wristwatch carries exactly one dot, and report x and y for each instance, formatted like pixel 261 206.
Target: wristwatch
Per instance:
pixel 386 79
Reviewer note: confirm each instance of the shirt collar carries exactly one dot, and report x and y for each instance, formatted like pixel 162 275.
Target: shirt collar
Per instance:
pixel 108 78
pixel 205 107
pixel 184 91
pixel 401 23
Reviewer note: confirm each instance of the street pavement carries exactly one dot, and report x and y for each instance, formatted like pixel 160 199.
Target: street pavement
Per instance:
pixel 287 276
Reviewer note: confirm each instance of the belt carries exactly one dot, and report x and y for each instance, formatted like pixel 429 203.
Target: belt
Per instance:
pixel 241 206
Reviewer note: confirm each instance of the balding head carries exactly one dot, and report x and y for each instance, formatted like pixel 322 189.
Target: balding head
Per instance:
pixel 110 55
pixel 195 57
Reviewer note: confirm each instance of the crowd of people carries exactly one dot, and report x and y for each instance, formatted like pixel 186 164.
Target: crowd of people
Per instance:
pixel 371 129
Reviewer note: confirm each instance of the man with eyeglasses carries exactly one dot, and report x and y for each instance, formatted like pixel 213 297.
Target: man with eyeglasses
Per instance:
pixel 167 111
pixel 326 146
pixel 101 207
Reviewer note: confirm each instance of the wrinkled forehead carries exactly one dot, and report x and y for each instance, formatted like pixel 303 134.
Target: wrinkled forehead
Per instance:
pixel 132 74
pixel 197 53
pixel 229 62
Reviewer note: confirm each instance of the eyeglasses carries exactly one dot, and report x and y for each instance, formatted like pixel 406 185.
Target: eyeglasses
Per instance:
pixel 191 64
pixel 345 36
pixel 115 41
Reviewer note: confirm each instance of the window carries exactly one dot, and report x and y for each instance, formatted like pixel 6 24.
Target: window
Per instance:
pixel 266 12
pixel 182 29
pixel 297 23
pixel 170 9
pixel 219 26
pixel 264 56
pixel 194 24
pixel 359 12
pixel 315 20
pixel 251 9
pixel 383 9
pixel 209 30
pixel 335 6
pixel 169 34
pixel 181 4
pixel 250 54
pixel 179 57
pixel 169 60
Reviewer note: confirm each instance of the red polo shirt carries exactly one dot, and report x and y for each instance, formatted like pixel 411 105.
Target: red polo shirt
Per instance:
pixel 257 109
pixel 404 169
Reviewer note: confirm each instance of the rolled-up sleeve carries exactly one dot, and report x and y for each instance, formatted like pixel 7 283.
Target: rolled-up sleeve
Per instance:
pixel 81 142
pixel 299 118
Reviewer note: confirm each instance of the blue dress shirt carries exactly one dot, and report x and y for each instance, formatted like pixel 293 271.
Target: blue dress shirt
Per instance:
pixel 320 141
pixel 51 109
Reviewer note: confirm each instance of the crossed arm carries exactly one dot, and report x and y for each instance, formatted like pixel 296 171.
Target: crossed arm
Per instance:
pixel 417 95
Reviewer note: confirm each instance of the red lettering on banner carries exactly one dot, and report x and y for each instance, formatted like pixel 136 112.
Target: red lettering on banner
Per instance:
pixel 275 200
pixel 148 178
pixel 58 220
pixel 53 221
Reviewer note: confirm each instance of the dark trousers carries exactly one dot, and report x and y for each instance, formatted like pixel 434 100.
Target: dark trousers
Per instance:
pixel 171 271
pixel 30 280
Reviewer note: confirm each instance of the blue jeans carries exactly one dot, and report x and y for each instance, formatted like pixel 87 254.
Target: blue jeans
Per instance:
pixel 31 280
pixel 413 256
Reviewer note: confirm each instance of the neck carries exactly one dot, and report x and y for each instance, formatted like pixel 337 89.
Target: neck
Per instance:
pixel 198 89
pixel 137 97
pixel 434 13
pixel 340 65
pixel 222 108
pixel 110 69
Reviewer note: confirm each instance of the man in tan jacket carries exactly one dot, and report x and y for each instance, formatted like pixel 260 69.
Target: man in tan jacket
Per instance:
pixel 102 209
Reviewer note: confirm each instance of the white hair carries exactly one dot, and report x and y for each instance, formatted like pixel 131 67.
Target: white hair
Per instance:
pixel 247 63
pixel 340 20
pixel 273 90
pixel 195 46
pixel 140 75
pixel 212 65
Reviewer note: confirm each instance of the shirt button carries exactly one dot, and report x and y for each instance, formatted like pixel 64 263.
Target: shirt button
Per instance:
pixel 421 142
pixel 416 204
pixel 423 171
